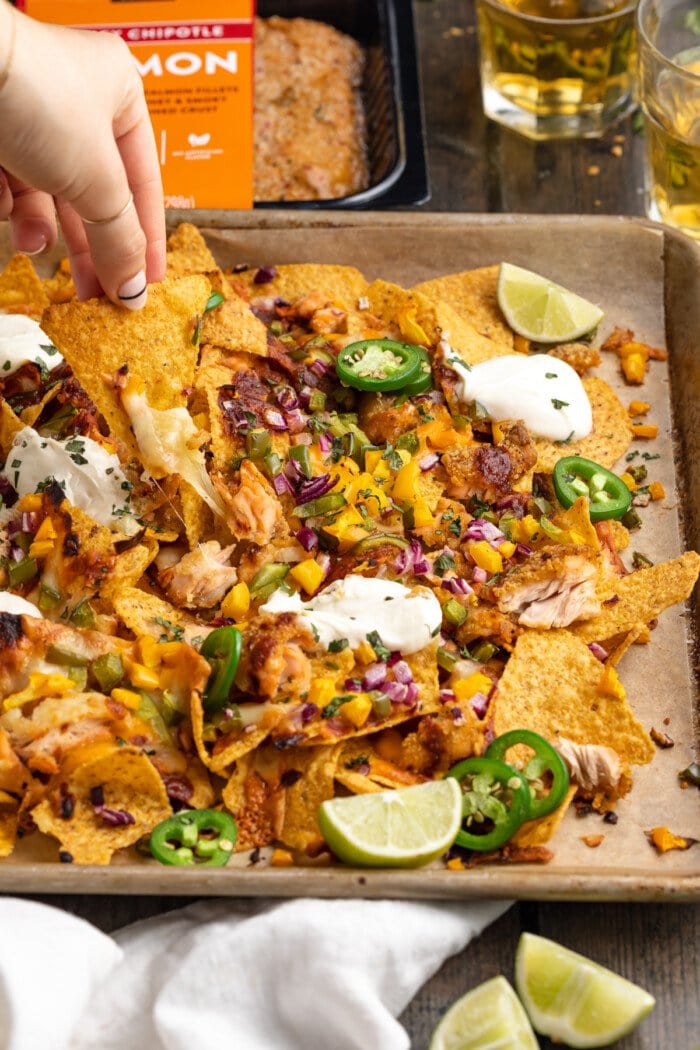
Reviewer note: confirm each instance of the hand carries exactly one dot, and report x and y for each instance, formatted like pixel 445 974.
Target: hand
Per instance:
pixel 75 130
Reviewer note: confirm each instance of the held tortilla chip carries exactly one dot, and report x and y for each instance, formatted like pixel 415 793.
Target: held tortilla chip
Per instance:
pixel 550 685
pixel 343 285
pixel 641 597
pixel 473 294
pixel 97 338
pixel 608 440
pixel 60 287
pixel 21 290
pixel 130 787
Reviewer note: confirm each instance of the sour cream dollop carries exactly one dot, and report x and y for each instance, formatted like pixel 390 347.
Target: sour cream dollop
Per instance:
pixel 13 603
pixel 22 340
pixel 405 618
pixel 547 394
pixel 90 476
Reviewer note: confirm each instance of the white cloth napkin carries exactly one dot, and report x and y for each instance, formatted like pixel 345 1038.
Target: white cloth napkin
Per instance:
pixel 226 975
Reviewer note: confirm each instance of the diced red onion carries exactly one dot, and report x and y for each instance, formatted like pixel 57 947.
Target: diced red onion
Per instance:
pixel 16 553
pixel 396 692
pixel 287 398
pixel 457 715
pixel 522 548
pixel 456 585
pixel 307 538
pixel 294 472
pixel 479 704
pixel 8 493
pixel 314 488
pixel 114 818
pixel 393 659
pixel 429 461
pixel 281 302
pixel 375 675
pixel 274 419
pixel 308 711
pixel 324 560
pixel 612 601
pixel 352 685
pixel 13 528
pixel 411 694
pixel 303 439
pixel 264 274
pixel 319 367
pixel 363 769
pixel 446 695
pixel 97 796
pixel 479 575
pixel 281 484
pixel 295 421
pixel 480 529
pixel 236 414
pixel 598 651
pixel 325 441
pixel 420 562
pixel 402 672
pixel 30 521
pixel 515 502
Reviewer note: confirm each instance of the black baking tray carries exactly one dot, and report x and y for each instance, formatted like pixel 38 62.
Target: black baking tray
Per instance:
pixel 390 94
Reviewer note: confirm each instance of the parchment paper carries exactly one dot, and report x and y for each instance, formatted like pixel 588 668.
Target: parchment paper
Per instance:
pixel 645 278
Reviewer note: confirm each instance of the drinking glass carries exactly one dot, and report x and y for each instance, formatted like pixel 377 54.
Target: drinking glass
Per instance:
pixel 557 68
pixel 669 61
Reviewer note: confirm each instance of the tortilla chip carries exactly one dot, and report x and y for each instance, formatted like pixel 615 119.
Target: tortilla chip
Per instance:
pixel 60 287
pixel 10 425
pixel 187 252
pixel 437 319
pixel 147 614
pixel 473 294
pixel 129 783
pixel 9 822
pixel 203 794
pixel 616 654
pixel 300 828
pixel 550 685
pixel 31 413
pixel 128 569
pixel 642 596
pixel 343 285
pixel 577 522
pixel 356 783
pixel 197 516
pixel 537 832
pixel 239 745
pixel 97 338
pixel 233 326
pixel 609 439
pixel 21 290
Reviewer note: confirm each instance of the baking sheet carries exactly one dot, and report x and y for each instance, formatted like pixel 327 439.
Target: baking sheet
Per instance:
pixel 645 278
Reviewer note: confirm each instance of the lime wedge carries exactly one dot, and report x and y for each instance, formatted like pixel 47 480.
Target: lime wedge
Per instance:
pixel 574 1000
pixel 489 1017
pixel 540 310
pixel 400 829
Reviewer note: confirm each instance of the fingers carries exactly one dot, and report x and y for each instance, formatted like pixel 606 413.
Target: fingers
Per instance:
pixel 82 270
pixel 5 197
pixel 32 218
pixel 140 158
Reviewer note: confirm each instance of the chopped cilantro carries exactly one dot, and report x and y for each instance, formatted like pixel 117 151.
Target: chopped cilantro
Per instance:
pixel 314 631
pixel 550 375
pixel 173 632
pixel 424 414
pixel 377 644
pixel 566 440
pixel 48 348
pixel 337 645
pixel 648 456
pixel 443 563
pixel 7 366
pixel 640 560
pixel 392 457
pixel 630 456
pixel 336 703
pixel 358 760
pixel 455 527
pixel 559 404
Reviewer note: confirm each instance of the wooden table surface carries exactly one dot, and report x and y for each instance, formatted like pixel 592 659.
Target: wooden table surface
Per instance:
pixel 476 166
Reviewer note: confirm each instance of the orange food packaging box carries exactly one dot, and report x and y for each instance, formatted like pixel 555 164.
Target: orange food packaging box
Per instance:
pixel 196 60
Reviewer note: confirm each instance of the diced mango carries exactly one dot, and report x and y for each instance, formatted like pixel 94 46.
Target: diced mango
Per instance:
pixel 638 408
pixel 281 858
pixel 525 528
pixel 40 686
pixel 629 481
pixel 404 488
pixel 485 556
pixel 466 688
pixel 30 502
pixel 455 864
pixel 645 430
pixel 237 602
pixel 41 548
pixel 308 574
pixel 610 684
pixel 657 491
pixel 634 367
pixel 141 676
pixel 126 697
pixel 322 691
pixel 507 549
pixel 365 654
pixel 664 840
pixel 149 651
pixel 373 457
pixel 46 531
pixel 422 515
pixel 357 711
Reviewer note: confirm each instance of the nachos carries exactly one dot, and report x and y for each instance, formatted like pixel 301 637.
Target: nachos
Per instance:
pixel 285 535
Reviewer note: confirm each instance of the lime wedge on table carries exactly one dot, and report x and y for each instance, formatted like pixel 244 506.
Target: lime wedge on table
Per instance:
pixel 541 310
pixel 403 828
pixel 574 1000
pixel 489 1017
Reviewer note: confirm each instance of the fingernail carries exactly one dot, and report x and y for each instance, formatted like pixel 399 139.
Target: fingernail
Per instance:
pixel 36 251
pixel 134 292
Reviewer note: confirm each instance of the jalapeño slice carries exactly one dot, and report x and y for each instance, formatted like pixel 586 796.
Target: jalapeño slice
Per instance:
pixel 195 836
pixel 378 364
pixel 222 648
pixel 608 496
pixel 423 382
pixel 495 802
pixel 545 760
